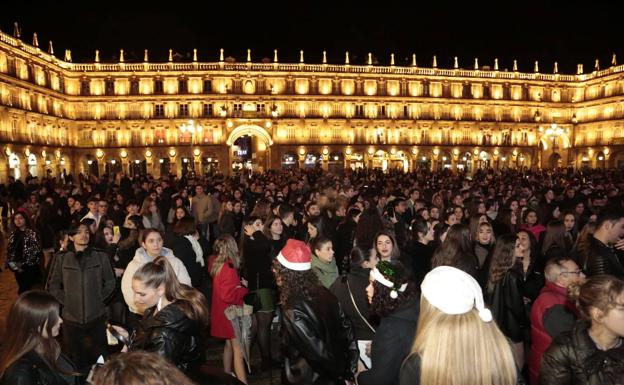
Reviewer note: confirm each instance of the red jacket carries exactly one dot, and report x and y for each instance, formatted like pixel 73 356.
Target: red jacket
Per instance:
pixel 226 290
pixel 551 295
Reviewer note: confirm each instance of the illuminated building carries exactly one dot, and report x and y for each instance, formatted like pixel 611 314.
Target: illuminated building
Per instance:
pixel 110 117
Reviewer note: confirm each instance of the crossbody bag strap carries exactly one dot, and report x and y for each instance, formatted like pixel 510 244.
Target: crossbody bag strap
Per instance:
pixel 357 309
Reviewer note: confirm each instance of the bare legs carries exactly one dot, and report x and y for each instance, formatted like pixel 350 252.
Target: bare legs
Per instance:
pixel 233 356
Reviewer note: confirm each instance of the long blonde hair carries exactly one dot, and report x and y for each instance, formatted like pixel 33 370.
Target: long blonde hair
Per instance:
pixel 227 251
pixel 477 351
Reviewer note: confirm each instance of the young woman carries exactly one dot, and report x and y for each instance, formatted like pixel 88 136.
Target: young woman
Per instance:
pixel 151 248
pixel 312 321
pixel 226 219
pixel 386 246
pixel 484 241
pixel 420 249
pixel 350 290
pixel 273 229
pixel 593 352
pixel 504 294
pixel 24 253
pixel 395 303
pixel 345 236
pixel 177 211
pixel 30 354
pixel 151 215
pixel 457 251
pixel 175 316
pixel 453 321
pixel 556 242
pixel 227 289
pixel 569 221
pixel 323 262
pixel 530 223
pixel 581 247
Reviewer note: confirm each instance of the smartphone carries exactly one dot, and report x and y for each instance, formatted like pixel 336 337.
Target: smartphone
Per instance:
pixel 116 335
pixel 115 230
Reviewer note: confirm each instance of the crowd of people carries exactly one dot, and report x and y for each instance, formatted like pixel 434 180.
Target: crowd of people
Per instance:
pixel 371 277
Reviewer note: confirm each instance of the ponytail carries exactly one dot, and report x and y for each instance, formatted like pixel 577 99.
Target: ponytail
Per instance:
pixel 160 273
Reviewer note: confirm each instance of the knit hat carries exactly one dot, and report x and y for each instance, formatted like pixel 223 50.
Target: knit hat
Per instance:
pixel 389 275
pixel 453 291
pixel 295 255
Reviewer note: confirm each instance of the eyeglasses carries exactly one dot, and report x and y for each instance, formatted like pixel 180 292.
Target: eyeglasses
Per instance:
pixel 575 272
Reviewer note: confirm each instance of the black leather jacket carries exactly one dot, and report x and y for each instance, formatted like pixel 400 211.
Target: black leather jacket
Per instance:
pixel 172 335
pixel 603 259
pixel 31 369
pixel 505 299
pixel 317 340
pixel 574 359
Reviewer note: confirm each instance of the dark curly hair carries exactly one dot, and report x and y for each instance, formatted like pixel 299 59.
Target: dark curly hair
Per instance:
pixel 294 283
pixel 382 303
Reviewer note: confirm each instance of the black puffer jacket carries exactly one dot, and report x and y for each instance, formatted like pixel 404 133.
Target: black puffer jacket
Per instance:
pixel 172 335
pixel 574 359
pixel 317 340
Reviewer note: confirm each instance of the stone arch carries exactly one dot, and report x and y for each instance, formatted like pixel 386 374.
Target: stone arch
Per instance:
pixel 563 141
pixel 249 129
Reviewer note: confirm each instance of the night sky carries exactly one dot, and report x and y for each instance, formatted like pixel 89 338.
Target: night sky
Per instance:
pixel 568 32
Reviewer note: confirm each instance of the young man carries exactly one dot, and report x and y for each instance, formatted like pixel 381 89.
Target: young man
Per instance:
pixel 603 256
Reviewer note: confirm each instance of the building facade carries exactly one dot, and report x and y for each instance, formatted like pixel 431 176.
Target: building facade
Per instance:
pixel 176 117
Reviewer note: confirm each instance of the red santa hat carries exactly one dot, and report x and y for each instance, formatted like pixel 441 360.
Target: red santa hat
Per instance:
pixel 295 255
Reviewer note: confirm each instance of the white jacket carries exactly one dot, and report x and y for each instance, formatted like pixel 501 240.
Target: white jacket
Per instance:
pixel 141 258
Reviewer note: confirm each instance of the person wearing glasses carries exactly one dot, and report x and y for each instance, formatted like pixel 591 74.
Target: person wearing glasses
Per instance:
pixel 552 312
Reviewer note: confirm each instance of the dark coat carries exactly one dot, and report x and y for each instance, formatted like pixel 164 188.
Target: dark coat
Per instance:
pixel 257 262
pixel 391 344
pixel 506 301
pixel 574 359
pixel 357 280
pixel 82 283
pixel 419 257
pixel 602 259
pixel 318 343
pixel 172 335
pixel 31 369
pixel 183 250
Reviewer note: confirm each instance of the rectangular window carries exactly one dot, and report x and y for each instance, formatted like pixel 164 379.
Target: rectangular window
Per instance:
pixel 85 88
pixel 159 110
pixel 405 112
pixel 382 110
pixel 184 110
pixel 359 111
pixel 158 86
pixel 61 84
pixel 134 87
pixel 109 87
pixel 182 86
pixel 207 86
pixel 207 109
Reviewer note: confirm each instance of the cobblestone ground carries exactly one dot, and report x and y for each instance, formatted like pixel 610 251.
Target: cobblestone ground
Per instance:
pixel 8 295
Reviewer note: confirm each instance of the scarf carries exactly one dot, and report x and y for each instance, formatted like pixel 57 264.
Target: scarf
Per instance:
pixel 199 254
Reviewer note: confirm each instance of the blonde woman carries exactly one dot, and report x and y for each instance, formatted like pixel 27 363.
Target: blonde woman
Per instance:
pixel 456 329
pixel 228 289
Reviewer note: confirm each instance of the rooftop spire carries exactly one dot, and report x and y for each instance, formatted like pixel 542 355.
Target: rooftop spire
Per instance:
pixel 50 48
pixel 476 65
pixel 455 63
pixel 370 59
pixel 221 55
pixel 68 57
pixel 16 30
pixel 391 59
pixel 515 65
pixel 496 64
pixel 536 68
pixel 275 56
pixel 347 58
pixel 324 57
pixel 194 54
pixel 597 65
pixel 35 40
pixel 556 69
pixel 435 61
pixel 613 60
pixel 170 55
pixel 248 55
pixel 579 69
pixel 121 56
pixel 301 56
pixel 97 56
pixel 145 56
pixel 414 60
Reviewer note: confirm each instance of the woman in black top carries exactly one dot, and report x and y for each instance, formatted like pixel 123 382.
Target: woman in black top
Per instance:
pixel 24 253
pixel 30 354
pixel 420 249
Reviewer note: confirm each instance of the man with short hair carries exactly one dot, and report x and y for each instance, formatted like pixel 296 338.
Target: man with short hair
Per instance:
pixel 552 313
pixel 602 257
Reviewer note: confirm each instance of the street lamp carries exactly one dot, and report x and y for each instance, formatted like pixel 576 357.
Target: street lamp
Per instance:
pixel 193 129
